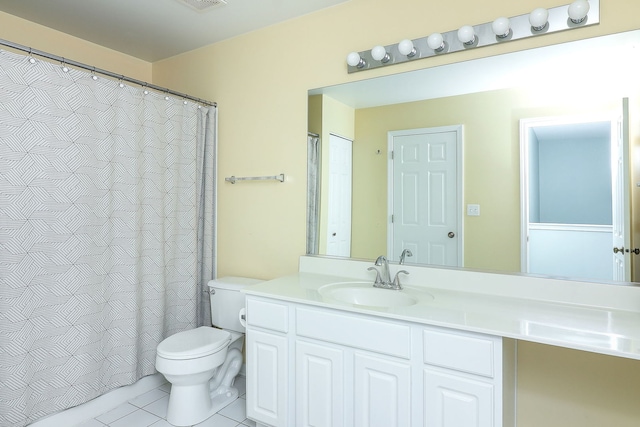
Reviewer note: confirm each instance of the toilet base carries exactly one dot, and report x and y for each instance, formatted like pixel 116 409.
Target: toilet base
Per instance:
pixel 194 403
pixel 185 409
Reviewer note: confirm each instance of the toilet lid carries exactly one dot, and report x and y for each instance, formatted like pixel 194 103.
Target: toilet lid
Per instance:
pixel 194 343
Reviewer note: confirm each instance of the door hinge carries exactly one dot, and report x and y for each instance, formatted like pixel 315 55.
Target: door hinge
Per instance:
pixel 392 218
pixel 392 155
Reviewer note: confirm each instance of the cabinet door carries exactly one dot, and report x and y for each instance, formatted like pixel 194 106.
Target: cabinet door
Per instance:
pixel 454 401
pixel 267 377
pixel 382 392
pixel 320 393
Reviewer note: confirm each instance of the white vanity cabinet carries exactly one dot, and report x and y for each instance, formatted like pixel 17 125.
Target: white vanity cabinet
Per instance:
pixel 267 363
pixel 330 367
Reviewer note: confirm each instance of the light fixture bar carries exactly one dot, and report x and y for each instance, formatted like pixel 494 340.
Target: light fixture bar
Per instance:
pixel 520 28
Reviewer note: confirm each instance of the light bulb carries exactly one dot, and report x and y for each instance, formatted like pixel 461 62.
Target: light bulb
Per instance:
pixel 466 35
pixel 501 27
pixel 538 18
pixel 354 60
pixel 379 53
pixel 436 42
pixel 405 47
pixel 578 11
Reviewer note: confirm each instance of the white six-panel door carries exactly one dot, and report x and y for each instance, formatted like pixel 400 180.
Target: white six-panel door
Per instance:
pixel 425 195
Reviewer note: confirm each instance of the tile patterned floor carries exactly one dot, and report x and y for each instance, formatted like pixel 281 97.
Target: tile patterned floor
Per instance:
pixel 150 410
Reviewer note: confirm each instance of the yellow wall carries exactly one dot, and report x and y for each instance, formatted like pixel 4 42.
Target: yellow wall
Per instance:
pixel 260 81
pixel 38 37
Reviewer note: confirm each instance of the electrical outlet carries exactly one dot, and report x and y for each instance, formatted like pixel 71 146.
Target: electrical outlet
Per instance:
pixel 473 210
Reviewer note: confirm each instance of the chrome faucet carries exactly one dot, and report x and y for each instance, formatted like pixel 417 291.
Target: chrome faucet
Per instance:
pixel 405 253
pixel 383 263
pixel 383 277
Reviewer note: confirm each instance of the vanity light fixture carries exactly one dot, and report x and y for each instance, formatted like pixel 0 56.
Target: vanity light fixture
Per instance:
pixel 379 53
pixel 501 27
pixel 578 11
pixel 467 35
pixel 539 18
pixel 436 42
pixel 407 48
pixel 540 21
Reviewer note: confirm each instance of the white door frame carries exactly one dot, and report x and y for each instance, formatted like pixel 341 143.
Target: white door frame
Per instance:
pixel 459 129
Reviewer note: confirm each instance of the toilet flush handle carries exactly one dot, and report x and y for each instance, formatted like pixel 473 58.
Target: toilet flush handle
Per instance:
pixel 242 316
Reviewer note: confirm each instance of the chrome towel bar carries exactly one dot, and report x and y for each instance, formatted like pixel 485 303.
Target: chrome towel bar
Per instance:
pixel 234 179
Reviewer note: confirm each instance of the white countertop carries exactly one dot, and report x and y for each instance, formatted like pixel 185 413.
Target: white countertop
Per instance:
pixel 584 316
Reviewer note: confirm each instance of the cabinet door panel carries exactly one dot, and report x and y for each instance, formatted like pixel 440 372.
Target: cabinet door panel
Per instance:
pixel 319 385
pixel 382 390
pixel 267 377
pixel 454 401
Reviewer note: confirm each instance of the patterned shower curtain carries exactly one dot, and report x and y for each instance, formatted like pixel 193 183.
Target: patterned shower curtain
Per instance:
pixel 106 232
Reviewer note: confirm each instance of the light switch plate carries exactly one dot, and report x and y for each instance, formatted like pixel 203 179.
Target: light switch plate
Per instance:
pixel 473 210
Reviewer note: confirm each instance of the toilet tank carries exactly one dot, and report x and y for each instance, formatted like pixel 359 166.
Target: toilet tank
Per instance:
pixel 227 301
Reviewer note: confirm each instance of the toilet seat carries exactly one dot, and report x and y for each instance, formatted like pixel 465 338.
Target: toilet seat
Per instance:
pixel 194 343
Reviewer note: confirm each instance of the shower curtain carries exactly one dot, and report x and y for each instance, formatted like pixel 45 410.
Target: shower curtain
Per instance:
pixel 313 193
pixel 106 232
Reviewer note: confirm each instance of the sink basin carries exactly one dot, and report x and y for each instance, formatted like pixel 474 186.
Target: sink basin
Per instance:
pixel 364 294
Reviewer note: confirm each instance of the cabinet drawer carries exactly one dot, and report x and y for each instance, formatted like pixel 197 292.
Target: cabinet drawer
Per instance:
pixel 467 353
pixel 268 315
pixel 361 332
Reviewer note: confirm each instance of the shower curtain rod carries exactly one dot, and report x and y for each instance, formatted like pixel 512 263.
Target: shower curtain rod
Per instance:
pixel 65 61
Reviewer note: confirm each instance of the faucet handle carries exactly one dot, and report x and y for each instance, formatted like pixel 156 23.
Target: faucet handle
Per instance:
pixel 380 260
pixel 378 278
pixel 396 279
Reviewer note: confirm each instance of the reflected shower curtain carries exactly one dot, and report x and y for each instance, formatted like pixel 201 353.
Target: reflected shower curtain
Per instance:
pixel 106 232
pixel 313 193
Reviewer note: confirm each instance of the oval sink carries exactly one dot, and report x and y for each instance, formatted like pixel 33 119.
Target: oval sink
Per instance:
pixel 364 294
pixel 373 297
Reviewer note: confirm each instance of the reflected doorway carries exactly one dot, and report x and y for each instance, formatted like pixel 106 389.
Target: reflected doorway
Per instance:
pixel 571 200
pixel 340 170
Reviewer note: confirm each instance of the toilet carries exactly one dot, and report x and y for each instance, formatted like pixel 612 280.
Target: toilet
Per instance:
pixel 201 364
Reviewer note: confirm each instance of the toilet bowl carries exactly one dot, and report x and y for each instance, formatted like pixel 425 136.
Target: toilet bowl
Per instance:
pixel 201 364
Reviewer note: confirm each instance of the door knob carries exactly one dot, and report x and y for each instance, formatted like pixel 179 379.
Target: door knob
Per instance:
pixel 451 234
pixel 616 250
pixel 636 251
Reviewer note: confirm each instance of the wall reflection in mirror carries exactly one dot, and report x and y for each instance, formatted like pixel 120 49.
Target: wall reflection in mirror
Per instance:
pixel 541 177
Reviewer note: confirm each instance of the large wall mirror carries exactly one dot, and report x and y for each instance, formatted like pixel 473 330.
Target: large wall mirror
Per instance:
pixel 516 160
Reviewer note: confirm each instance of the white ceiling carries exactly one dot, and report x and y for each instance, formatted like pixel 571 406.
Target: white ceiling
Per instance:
pixel 156 29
